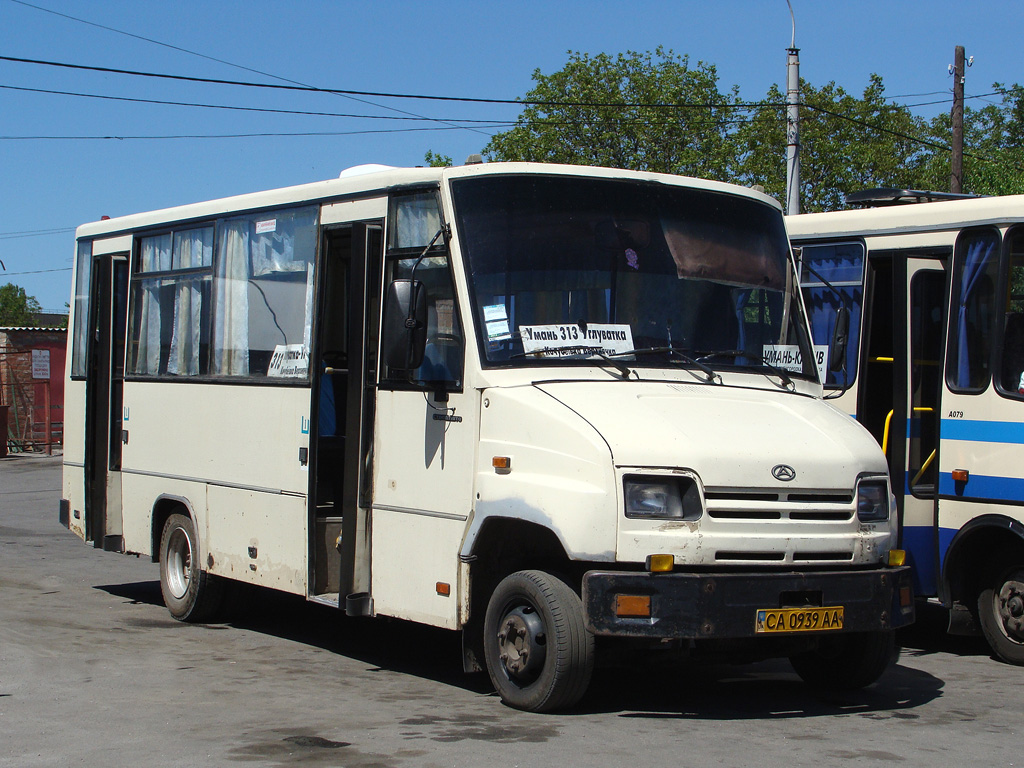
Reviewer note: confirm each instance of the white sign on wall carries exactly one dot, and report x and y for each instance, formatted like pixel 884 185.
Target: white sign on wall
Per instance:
pixel 41 364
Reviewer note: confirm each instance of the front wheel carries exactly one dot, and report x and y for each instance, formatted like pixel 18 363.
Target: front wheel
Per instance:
pixel 847 662
pixel 538 652
pixel 190 593
pixel 1001 615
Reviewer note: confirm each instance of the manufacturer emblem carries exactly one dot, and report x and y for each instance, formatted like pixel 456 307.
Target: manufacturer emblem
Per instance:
pixel 783 472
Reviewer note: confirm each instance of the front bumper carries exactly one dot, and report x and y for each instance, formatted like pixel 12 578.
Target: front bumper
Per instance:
pixel 725 605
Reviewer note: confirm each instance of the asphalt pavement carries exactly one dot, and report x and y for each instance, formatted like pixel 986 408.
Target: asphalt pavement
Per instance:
pixel 95 672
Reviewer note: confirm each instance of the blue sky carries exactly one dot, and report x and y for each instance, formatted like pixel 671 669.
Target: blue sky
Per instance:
pixel 457 48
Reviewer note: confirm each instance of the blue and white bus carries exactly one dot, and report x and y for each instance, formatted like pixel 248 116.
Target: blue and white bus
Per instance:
pixel 934 368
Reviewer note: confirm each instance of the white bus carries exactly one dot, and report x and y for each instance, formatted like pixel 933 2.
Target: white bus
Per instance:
pixel 522 401
pixel 935 370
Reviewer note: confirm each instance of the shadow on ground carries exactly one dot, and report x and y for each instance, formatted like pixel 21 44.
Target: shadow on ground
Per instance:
pixel 694 689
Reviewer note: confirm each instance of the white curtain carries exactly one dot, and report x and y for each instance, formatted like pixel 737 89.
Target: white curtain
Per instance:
pixel 191 249
pixel 156 257
pixel 231 303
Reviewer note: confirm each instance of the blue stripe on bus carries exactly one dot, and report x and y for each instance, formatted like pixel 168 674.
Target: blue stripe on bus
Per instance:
pixel 983 487
pixel 983 431
pixel 919 544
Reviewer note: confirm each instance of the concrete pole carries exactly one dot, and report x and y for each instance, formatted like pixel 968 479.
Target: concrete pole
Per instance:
pixel 793 131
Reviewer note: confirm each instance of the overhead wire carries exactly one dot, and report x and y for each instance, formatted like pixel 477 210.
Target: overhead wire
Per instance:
pixel 181 49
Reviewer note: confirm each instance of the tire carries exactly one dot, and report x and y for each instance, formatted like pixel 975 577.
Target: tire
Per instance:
pixel 538 652
pixel 1001 615
pixel 847 662
pixel 190 593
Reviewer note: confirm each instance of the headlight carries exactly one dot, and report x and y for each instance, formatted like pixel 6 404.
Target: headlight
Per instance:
pixel 669 498
pixel 872 501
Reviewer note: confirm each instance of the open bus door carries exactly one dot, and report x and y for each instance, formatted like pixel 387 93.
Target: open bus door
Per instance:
pixel 900 389
pixel 342 413
pixel 104 396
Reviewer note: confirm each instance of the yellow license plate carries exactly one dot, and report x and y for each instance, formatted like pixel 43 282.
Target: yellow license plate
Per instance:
pixel 770 620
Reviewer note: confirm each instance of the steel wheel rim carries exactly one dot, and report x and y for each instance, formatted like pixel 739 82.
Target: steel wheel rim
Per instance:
pixel 1008 606
pixel 522 644
pixel 179 562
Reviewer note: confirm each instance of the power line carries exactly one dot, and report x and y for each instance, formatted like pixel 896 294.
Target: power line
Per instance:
pixel 162 102
pixel 381 94
pixel 229 135
pixel 35 272
pixel 212 58
pixel 35 233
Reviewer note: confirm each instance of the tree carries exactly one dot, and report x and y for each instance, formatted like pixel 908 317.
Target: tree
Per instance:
pixel 993 146
pixel 846 144
pixel 642 111
pixel 16 307
pixel 436 159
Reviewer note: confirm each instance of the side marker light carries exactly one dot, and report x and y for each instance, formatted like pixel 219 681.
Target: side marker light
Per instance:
pixel 633 606
pixel 896 557
pixel 660 563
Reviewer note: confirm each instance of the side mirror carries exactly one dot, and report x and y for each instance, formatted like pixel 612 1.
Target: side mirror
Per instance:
pixel 405 325
pixel 840 338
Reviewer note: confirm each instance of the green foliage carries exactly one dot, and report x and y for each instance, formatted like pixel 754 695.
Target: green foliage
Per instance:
pixel 846 144
pixel 436 160
pixel 600 110
pixel 654 112
pixel 16 307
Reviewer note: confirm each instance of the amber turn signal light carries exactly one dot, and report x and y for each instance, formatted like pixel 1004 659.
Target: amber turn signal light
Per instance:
pixel 660 563
pixel 896 557
pixel 633 606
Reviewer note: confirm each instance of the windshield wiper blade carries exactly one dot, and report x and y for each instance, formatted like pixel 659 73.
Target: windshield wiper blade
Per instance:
pixel 782 373
pixel 706 369
pixel 579 352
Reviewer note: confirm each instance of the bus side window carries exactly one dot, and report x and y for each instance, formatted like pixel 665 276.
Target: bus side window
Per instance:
pixel 1011 364
pixel 972 323
pixel 1013 354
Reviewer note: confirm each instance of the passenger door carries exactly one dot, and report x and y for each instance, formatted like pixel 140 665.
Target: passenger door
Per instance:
pixel 104 398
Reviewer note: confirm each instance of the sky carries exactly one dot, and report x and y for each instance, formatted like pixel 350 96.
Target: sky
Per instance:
pixel 69 159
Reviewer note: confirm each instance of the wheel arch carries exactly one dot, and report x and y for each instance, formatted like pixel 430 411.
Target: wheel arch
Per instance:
pixel 165 506
pixel 989 540
pixel 501 546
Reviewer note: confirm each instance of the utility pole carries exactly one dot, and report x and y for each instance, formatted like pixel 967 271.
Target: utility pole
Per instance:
pixel 792 121
pixel 793 131
pixel 956 163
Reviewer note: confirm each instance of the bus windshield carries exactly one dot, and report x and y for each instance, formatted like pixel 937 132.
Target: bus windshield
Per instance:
pixel 565 269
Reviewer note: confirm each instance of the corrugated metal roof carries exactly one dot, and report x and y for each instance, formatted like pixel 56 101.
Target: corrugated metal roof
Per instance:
pixel 4 328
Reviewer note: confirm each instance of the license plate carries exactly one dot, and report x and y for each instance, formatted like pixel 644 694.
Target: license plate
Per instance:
pixel 771 620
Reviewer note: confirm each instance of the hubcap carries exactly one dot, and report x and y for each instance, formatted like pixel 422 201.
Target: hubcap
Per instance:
pixel 179 563
pixel 522 644
pixel 1010 607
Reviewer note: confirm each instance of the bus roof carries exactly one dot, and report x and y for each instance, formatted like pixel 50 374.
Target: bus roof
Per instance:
pixel 920 217
pixel 364 181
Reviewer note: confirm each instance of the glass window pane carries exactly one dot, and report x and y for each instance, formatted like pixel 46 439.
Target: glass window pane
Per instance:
pixel 442 358
pixel 1011 367
pixel 170 326
pixel 415 220
pixel 83 282
pixel 155 253
pixel 263 294
pixel 972 319
pixel 842 265
pixel 193 248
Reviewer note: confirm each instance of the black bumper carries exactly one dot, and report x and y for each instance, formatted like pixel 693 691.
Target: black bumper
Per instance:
pixel 725 605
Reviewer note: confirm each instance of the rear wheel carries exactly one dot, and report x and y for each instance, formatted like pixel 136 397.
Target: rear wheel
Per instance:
pixel 848 661
pixel 1001 615
pixel 190 593
pixel 538 652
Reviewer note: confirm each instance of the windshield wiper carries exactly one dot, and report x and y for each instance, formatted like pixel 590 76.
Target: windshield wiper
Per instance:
pixel 706 369
pixel 782 373
pixel 580 352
